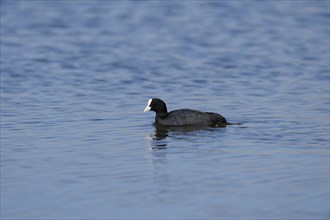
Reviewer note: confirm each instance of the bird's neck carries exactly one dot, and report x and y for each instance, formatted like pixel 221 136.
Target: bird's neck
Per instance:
pixel 161 114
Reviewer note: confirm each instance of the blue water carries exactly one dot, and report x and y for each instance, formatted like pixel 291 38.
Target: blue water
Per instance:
pixel 76 76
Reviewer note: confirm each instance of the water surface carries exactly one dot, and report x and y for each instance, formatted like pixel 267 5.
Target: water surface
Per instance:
pixel 76 76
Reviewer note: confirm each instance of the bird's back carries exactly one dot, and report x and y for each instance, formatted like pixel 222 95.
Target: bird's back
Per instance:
pixel 184 117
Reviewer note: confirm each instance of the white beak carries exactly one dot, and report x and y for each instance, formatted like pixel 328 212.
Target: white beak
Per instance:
pixel 148 106
pixel 147 109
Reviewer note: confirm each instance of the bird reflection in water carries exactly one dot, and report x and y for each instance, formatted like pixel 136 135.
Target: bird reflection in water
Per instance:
pixel 158 140
pixel 159 136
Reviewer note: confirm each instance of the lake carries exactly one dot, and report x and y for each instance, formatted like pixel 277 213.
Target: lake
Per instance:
pixel 76 76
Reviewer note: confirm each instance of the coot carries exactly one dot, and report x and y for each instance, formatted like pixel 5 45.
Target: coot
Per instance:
pixel 183 117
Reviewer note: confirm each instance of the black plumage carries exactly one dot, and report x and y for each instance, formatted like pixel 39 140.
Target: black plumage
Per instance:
pixel 183 117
